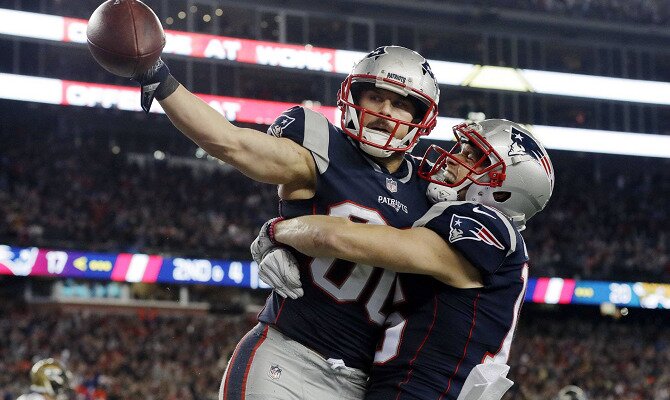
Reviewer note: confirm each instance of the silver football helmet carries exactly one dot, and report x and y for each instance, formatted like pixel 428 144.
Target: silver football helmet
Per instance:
pixel 513 173
pixel 399 70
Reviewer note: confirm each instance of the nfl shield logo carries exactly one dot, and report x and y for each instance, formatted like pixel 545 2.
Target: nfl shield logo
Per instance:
pixel 391 185
pixel 275 371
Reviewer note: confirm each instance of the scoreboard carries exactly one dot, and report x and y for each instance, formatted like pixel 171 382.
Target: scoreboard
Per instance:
pixel 127 267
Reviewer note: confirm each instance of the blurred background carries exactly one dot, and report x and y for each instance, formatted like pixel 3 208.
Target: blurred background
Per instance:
pixel 124 247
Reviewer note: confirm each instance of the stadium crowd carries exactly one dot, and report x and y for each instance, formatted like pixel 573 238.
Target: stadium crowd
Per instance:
pixel 609 359
pixel 595 226
pixel 607 223
pixel 112 204
pixel 119 357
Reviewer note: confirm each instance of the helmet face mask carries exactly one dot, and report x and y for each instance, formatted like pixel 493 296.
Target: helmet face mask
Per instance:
pixel 511 172
pixel 398 70
pixel 487 168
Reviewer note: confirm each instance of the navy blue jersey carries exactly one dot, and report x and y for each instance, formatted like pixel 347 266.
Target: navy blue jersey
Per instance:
pixel 439 333
pixel 342 312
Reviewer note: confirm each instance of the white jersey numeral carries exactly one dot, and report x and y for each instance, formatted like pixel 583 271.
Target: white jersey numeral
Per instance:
pixel 352 287
pixel 390 346
pixel 391 340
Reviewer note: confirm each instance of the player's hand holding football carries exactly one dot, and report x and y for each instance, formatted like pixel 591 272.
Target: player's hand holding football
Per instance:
pixel 126 38
pixel 156 82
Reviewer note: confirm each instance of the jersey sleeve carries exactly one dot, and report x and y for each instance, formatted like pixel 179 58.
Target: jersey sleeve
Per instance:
pixel 307 128
pixel 482 234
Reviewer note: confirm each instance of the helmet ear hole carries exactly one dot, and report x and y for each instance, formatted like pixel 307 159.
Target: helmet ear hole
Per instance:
pixel 501 197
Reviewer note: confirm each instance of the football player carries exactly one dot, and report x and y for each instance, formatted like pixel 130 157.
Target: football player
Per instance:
pixel 322 345
pixel 465 264
pixel 50 380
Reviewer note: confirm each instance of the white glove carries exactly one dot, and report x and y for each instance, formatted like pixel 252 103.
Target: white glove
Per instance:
pixel 279 269
pixel 265 241
pixel 486 382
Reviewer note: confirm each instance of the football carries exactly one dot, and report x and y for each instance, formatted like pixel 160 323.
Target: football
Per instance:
pixel 125 37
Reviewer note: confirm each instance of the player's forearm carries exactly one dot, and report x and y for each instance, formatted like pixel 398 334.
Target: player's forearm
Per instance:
pixel 311 235
pixel 416 250
pixel 201 123
pixel 255 154
pixel 324 236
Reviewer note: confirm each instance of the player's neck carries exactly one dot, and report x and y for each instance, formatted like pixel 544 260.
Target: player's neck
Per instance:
pixel 392 163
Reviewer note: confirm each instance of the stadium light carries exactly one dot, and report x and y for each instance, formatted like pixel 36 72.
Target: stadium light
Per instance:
pixel 70 93
pixel 64 29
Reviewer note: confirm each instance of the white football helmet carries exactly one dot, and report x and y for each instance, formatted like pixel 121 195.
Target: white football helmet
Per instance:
pixel 50 377
pixel 513 174
pixel 399 70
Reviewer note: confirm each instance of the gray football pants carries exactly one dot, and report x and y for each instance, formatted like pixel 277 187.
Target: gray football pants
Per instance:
pixel 267 365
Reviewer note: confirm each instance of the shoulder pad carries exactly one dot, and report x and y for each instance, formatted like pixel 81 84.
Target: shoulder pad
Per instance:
pixel 307 128
pixel 286 125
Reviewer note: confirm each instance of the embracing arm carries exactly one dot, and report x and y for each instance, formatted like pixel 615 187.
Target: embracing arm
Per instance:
pixel 261 157
pixel 416 250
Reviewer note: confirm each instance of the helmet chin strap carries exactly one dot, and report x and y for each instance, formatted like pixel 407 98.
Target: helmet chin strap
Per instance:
pixel 374 151
pixel 375 137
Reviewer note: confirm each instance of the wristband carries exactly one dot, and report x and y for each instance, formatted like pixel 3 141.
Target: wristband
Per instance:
pixel 271 229
pixel 166 88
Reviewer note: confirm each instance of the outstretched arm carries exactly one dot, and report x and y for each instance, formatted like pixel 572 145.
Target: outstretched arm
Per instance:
pixel 261 157
pixel 416 250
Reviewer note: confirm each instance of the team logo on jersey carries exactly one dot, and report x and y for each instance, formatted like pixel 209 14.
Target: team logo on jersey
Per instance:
pixel 282 122
pixel 275 371
pixel 463 228
pixel 523 144
pixel 391 185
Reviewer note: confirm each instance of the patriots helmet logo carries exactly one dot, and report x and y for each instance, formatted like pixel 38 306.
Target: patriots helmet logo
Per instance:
pixel 523 144
pixel 280 124
pixel 465 228
pixel 376 53
pixel 426 69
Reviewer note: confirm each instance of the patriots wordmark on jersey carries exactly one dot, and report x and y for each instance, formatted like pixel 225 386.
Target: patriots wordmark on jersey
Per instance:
pixel 439 333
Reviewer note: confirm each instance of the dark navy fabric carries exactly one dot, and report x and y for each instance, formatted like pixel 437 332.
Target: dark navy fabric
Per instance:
pixel 342 313
pixel 444 332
